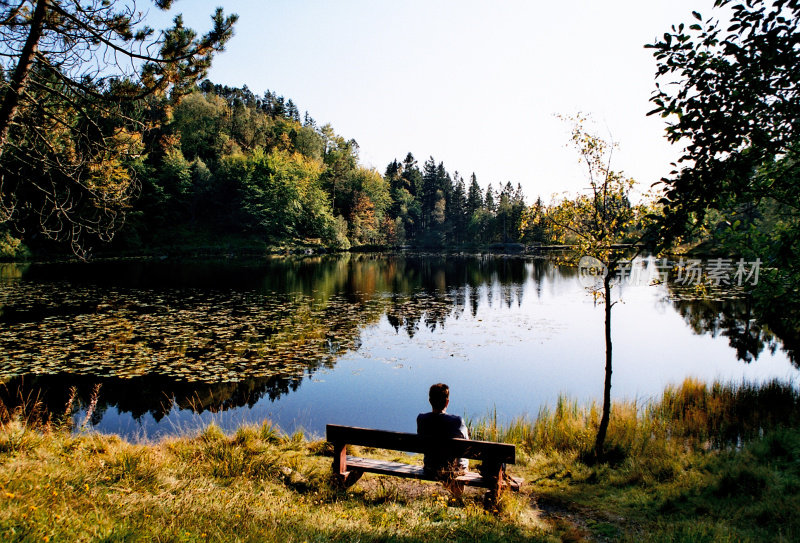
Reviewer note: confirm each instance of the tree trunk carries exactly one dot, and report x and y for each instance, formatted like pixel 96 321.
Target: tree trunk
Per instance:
pixel 8 109
pixel 601 431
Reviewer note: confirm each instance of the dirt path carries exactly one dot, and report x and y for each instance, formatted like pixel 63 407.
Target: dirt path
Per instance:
pixel 575 523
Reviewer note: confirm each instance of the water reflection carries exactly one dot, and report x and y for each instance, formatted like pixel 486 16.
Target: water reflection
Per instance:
pixel 220 335
pixel 216 335
pixel 733 319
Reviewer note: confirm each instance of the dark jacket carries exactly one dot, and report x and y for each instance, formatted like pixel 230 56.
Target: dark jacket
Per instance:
pixel 441 425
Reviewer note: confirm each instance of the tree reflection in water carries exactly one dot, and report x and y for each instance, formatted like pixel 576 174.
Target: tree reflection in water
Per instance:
pixel 218 335
pixel 732 317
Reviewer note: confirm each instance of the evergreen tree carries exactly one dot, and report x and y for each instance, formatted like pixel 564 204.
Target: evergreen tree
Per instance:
pixel 279 107
pixel 409 202
pixel 444 183
pixel 517 211
pixel 474 198
pixel 412 175
pixel 393 174
pixel 291 111
pixel 488 201
pixel 427 197
pixel 441 205
pixel 266 103
pixel 457 211
pixel 246 97
pixel 503 217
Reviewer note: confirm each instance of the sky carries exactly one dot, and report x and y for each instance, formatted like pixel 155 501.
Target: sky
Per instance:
pixel 475 84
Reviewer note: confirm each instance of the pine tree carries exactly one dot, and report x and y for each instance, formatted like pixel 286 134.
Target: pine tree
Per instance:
pixel 503 218
pixel 392 175
pixel 428 196
pixel 441 205
pixel 278 106
pixel 457 211
pixel 412 175
pixel 488 201
pixel 474 198
pixel 517 211
pixel 291 111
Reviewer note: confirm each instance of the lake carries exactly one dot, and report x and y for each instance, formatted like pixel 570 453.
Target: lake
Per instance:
pixel 352 339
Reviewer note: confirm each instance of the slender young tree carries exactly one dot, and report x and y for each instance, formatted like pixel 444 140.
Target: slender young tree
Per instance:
pixel 595 224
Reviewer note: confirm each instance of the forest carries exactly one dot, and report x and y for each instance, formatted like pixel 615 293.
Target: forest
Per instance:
pixel 227 166
pixel 239 164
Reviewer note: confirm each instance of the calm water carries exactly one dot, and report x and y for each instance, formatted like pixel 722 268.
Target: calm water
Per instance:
pixel 353 339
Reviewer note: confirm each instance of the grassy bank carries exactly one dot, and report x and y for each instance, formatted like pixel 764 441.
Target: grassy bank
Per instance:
pixel 704 463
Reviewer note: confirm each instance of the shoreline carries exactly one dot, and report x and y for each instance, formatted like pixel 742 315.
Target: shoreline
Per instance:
pixel 674 472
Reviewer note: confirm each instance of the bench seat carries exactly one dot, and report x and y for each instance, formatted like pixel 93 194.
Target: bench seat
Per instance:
pixel 398 469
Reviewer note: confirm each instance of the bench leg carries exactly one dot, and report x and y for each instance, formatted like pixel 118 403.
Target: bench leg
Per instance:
pixel 342 476
pixel 495 474
pixel 347 479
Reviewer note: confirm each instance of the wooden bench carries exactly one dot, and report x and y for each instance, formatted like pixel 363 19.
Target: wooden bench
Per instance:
pixel 491 475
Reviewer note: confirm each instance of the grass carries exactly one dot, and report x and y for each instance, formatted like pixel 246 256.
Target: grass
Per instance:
pixel 703 463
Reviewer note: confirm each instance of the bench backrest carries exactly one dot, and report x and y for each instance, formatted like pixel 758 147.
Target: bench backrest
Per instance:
pixel 414 443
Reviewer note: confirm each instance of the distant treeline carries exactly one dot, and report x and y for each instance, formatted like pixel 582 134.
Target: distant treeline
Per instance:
pixel 230 163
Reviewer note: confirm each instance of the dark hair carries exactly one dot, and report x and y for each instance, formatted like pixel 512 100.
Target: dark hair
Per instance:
pixel 438 396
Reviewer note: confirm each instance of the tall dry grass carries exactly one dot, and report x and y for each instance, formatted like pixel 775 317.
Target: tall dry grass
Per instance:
pixel 692 414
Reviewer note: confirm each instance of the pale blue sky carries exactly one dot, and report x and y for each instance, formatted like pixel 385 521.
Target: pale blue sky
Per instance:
pixel 476 84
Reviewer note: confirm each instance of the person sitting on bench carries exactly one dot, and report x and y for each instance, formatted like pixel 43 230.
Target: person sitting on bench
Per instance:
pixel 439 424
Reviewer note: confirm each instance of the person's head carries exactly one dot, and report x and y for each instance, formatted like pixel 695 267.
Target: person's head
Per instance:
pixel 439 396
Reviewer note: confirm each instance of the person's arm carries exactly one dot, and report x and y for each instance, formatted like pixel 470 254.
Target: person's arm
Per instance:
pixel 463 462
pixel 464 430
